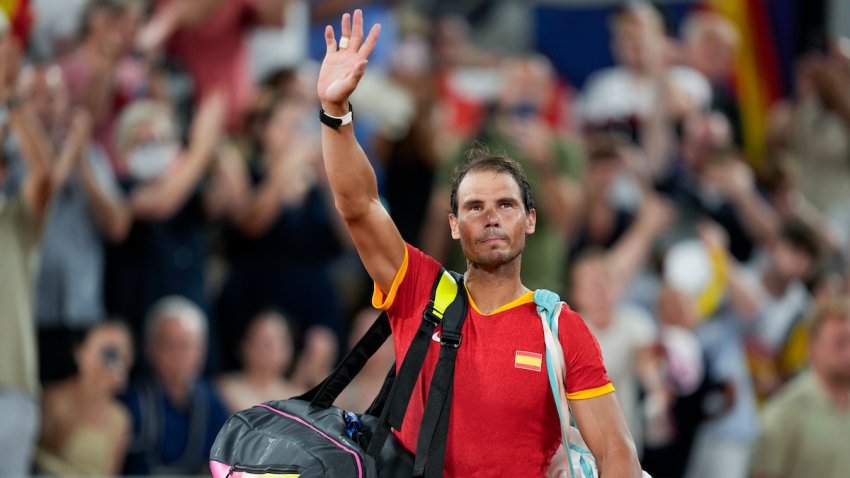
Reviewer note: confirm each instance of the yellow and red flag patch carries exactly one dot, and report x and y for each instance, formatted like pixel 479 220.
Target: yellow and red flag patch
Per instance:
pixel 528 360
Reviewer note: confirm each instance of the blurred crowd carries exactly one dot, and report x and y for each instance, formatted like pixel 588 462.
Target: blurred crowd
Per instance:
pixel 170 253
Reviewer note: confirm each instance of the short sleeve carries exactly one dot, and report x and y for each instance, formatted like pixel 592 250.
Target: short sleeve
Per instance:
pixel 586 374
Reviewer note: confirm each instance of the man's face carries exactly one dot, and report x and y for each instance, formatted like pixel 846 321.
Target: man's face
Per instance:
pixel 491 220
pixel 830 351
pixel 176 352
pixel 45 90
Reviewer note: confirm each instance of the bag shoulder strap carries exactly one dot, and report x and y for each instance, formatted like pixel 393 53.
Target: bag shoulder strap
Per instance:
pixel 444 293
pixel 549 307
pixel 434 428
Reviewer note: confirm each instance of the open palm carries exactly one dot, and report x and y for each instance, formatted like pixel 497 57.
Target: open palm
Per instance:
pixel 344 65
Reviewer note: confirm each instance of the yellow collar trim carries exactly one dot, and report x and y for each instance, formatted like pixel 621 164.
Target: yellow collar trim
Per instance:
pixel 526 298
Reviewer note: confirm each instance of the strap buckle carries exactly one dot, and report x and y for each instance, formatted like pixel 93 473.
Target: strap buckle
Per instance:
pixel 430 316
pixel 450 339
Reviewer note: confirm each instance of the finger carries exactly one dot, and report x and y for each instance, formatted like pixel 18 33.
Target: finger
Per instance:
pixel 345 27
pixel 330 40
pixel 357 30
pixel 358 71
pixel 371 41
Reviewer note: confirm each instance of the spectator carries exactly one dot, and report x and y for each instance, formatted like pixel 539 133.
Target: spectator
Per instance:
pixel 282 243
pixel 266 351
pixel 626 333
pixel 85 430
pixel 710 180
pixel 804 426
pixel 629 92
pixel 361 392
pixel 209 38
pixel 812 128
pixel 710 46
pixel 23 205
pixel 100 75
pixel 88 207
pixel 778 299
pixel 176 415
pixel 520 126
pixel 165 250
pixel 690 392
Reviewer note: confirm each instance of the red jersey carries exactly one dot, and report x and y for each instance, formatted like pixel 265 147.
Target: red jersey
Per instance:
pixel 503 418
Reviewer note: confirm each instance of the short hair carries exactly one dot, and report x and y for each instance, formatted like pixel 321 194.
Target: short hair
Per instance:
pixel 139 113
pixel 631 10
pixel 179 308
pixel 801 237
pixel 835 309
pixel 700 22
pixel 480 158
pixel 113 7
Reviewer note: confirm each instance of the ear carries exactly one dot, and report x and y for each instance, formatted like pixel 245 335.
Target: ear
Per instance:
pixel 453 226
pixel 531 221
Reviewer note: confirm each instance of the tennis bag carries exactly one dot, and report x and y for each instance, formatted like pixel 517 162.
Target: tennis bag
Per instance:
pixel 306 437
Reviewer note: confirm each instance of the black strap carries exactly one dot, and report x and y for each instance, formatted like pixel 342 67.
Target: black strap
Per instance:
pixel 398 398
pixel 324 394
pixel 433 431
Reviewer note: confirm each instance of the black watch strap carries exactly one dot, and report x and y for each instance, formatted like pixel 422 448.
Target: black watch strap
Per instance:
pixel 335 122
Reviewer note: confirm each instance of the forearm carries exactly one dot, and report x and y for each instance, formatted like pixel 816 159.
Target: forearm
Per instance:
pixel 111 214
pixel 619 462
pixel 37 186
pixel 166 195
pixel 561 198
pixel 261 211
pixel 757 217
pixel 352 179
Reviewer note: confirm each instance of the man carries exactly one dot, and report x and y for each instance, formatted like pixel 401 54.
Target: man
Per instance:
pixel 644 78
pixel 806 425
pixel 176 415
pixel 503 419
pixel 24 198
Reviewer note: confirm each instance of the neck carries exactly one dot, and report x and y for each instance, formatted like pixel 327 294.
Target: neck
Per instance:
pixel 177 392
pixel 88 392
pixel 491 289
pixel 837 391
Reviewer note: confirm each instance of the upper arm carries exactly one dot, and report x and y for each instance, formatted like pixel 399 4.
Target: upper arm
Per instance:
pixel 379 244
pixel 603 427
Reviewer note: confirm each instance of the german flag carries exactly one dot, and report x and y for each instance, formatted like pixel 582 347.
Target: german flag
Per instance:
pixel 528 361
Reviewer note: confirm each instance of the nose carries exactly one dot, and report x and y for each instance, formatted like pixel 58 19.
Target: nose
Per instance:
pixel 492 218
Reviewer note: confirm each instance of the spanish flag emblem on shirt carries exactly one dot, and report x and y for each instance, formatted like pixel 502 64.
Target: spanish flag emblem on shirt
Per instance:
pixel 528 360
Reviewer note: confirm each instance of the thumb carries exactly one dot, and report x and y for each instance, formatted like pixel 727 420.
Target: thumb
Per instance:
pixel 359 69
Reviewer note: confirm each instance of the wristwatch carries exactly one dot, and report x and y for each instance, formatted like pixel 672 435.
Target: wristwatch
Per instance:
pixel 336 121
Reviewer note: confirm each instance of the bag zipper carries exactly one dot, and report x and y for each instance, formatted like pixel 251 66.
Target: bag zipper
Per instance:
pixel 261 469
pixel 322 434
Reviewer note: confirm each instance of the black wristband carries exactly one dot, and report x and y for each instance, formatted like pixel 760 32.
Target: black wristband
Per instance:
pixel 333 121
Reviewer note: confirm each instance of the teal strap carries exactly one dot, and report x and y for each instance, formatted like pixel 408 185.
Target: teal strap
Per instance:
pixel 548 306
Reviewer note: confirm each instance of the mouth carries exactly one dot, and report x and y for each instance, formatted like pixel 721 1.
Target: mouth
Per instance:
pixel 492 239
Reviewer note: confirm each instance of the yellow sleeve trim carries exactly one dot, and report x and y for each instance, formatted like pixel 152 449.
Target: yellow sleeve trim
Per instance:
pixel 592 393
pixel 381 302
pixel 523 299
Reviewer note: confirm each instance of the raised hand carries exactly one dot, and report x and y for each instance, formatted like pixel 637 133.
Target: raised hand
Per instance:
pixel 344 63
